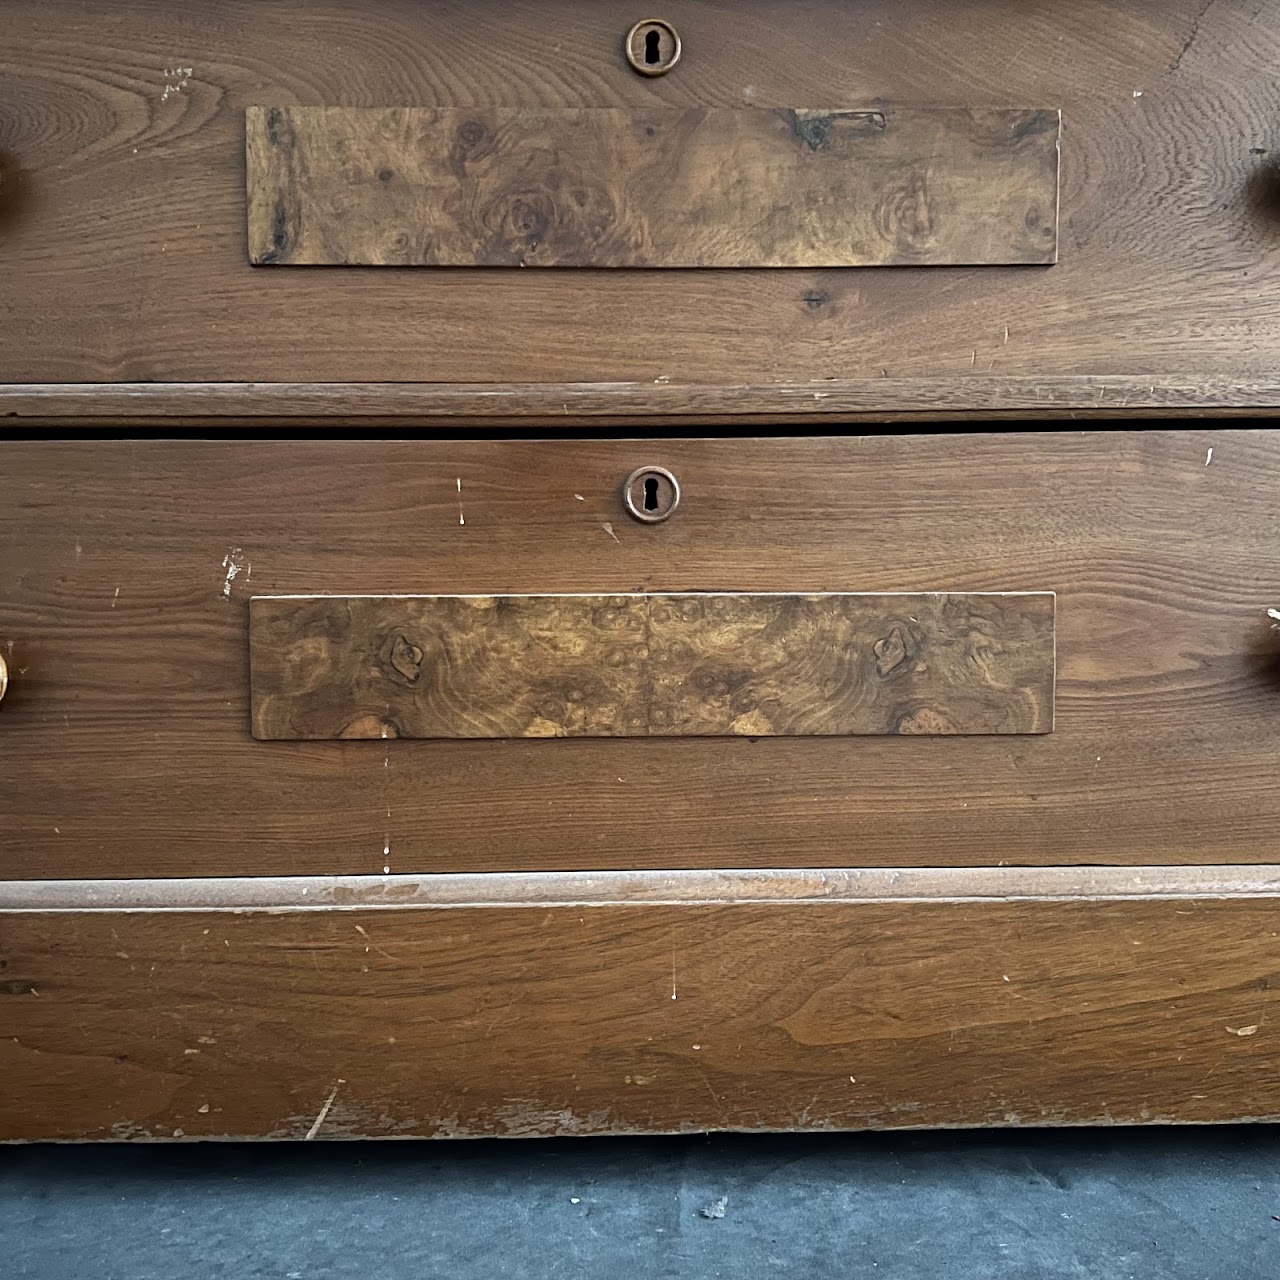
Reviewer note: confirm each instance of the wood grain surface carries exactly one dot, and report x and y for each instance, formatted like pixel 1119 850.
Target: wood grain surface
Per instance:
pixel 128 567
pixel 653 187
pixel 583 408
pixel 626 1019
pixel 649 665
pixel 122 219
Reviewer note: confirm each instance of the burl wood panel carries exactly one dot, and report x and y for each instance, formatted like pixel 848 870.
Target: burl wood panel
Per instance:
pixel 127 568
pixel 655 187
pixel 650 665
pixel 621 1019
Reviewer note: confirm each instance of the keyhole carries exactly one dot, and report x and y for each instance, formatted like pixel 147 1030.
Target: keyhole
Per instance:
pixel 652 47
pixel 651 494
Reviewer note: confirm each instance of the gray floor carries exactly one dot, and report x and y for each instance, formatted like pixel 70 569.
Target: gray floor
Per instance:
pixel 1149 1204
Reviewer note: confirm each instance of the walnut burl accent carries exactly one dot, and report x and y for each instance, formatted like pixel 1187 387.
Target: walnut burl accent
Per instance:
pixel 651 187
pixel 686 664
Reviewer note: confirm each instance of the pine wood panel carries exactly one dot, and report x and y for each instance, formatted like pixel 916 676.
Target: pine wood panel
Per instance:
pixel 624 1019
pixel 127 570
pixel 123 257
pixel 649 665
pixel 658 187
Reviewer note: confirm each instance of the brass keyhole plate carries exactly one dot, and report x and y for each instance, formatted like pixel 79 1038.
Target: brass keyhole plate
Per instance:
pixel 651 494
pixel 652 47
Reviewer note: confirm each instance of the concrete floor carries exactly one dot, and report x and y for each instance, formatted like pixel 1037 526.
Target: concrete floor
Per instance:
pixel 1111 1204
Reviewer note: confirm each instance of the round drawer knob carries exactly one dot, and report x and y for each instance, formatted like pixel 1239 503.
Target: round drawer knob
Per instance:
pixel 4 677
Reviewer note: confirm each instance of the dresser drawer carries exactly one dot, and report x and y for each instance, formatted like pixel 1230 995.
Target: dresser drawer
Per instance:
pixel 125 623
pixel 204 934
pixel 124 235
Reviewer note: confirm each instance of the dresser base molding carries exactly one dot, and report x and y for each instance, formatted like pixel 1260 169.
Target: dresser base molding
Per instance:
pixel 574 1004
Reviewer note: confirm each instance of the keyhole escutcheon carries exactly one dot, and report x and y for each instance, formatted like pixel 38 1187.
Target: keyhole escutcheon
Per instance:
pixel 651 494
pixel 652 47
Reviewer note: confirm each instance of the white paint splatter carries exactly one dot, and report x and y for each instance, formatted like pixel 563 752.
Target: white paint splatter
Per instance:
pixel 176 80
pixel 1208 457
pixel 115 597
pixel 324 1111
pixel 461 518
pixel 234 563
pixel 579 497
pixel 1137 93
pixel 608 528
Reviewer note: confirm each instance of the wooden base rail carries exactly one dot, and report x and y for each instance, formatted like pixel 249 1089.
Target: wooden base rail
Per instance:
pixel 639 888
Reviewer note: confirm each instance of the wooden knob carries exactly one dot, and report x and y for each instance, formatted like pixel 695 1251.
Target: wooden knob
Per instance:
pixel 4 677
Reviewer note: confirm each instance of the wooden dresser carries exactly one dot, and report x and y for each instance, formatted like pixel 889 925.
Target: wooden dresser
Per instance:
pixel 539 597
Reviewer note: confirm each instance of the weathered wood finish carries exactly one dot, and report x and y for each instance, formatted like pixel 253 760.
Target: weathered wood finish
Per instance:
pixel 655 187
pixel 650 665
pixel 122 223
pixel 578 408
pixel 622 1019
pixel 444 890
pixel 127 569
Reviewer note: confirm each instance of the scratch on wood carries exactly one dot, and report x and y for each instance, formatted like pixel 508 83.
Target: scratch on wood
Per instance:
pixel 364 933
pixel 1191 35
pixel 324 1111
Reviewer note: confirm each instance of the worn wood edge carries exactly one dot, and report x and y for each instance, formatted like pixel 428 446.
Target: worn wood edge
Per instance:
pixel 638 595
pixel 544 889
pixel 558 405
pixel 1160 1120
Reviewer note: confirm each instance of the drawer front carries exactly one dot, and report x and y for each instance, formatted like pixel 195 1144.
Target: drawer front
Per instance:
pixel 128 568
pixel 573 1019
pixel 130 121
